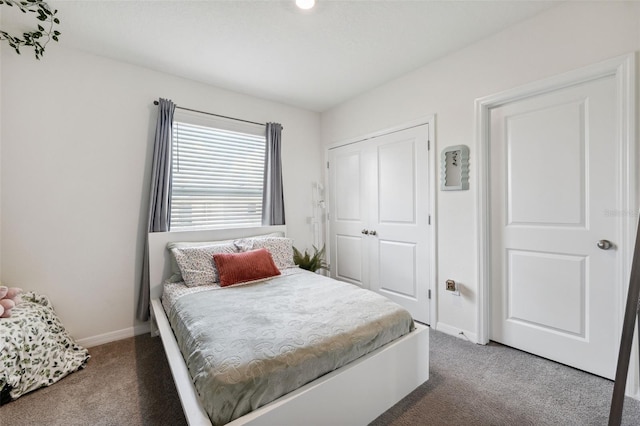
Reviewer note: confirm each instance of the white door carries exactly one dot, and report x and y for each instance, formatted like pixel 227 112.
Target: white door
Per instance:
pixel 379 217
pixel 553 181
pixel 349 184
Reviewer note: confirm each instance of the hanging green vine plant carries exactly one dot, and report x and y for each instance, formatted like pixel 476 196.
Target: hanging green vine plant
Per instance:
pixel 45 30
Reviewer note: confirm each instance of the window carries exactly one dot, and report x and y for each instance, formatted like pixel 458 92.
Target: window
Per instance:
pixel 217 173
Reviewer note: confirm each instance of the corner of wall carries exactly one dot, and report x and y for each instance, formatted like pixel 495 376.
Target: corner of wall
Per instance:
pixel 457 332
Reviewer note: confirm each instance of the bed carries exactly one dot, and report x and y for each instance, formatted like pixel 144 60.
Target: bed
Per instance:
pixel 362 386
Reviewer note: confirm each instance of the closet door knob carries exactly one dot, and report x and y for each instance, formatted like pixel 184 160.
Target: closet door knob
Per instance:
pixel 374 233
pixel 365 232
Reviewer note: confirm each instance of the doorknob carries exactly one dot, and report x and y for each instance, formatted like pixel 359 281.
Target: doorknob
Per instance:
pixel 365 232
pixel 374 233
pixel 604 244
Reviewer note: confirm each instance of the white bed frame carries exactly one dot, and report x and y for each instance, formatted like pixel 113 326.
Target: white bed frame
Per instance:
pixel 353 395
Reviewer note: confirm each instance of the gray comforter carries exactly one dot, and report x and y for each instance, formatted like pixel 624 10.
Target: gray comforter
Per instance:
pixel 246 346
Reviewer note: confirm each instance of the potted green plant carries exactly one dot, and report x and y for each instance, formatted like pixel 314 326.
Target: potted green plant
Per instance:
pixel 308 261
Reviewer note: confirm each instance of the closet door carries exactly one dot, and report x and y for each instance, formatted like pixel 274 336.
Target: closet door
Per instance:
pixel 349 182
pixel 378 218
pixel 399 215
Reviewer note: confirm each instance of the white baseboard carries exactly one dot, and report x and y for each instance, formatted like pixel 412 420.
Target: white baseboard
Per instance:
pixel 112 336
pixel 457 332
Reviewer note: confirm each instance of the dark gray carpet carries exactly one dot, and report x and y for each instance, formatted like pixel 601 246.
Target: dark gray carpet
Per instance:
pixel 495 385
pixel 129 383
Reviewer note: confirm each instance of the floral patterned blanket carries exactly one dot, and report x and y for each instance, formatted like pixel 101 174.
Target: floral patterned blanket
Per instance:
pixel 35 348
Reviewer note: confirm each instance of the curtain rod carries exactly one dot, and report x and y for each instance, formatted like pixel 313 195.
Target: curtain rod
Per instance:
pixel 215 115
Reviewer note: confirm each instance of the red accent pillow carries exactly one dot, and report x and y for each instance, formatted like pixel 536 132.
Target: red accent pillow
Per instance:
pixel 235 268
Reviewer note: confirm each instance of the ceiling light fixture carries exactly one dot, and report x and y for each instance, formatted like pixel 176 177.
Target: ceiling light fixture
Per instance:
pixel 305 4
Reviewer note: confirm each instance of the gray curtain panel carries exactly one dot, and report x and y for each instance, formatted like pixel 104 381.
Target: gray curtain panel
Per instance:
pixel 160 195
pixel 272 194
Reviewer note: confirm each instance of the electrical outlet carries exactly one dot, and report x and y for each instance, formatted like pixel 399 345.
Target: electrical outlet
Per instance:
pixel 451 285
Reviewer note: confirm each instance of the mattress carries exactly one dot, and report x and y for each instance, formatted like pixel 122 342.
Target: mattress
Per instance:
pixel 248 345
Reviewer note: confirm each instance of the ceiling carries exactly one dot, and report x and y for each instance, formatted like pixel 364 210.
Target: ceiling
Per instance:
pixel 270 49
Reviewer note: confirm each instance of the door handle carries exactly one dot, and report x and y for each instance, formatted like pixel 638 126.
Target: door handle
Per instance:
pixel 365 232
pixel 374 233
pixel 604 244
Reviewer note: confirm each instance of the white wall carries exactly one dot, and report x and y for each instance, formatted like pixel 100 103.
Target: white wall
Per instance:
pixel 77 134
pixel 564 38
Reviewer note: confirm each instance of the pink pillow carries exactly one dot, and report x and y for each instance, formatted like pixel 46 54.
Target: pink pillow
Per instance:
pixel 235 268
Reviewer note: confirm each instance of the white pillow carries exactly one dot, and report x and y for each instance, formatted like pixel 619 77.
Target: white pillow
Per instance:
pixel 196 263
pixel 281 249
pixel 176 275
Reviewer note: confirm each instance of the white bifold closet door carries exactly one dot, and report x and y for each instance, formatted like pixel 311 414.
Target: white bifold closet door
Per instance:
pixel 378 217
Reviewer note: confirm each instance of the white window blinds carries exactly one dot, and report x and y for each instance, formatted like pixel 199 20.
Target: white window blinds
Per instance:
pixel 217 177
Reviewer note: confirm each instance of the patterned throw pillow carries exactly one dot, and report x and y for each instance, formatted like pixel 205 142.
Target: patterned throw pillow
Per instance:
pixel 252 265
pixel 176 275
pixel 281 249
pixel 196 263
